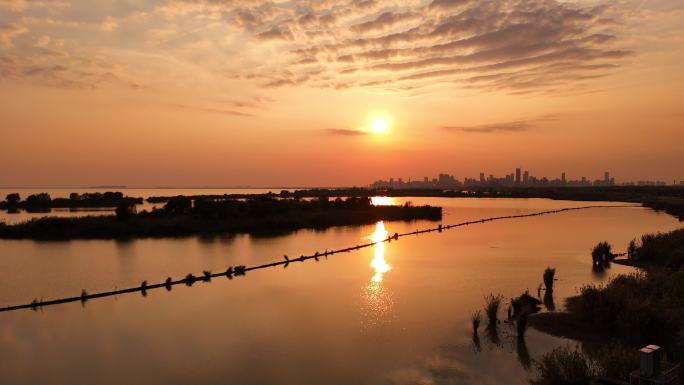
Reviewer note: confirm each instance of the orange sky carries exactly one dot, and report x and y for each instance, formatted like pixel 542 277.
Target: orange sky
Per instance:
pixel 285 93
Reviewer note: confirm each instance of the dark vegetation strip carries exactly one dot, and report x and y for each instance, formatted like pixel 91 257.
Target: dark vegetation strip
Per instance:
pixel 43 202
pixel 183 216
pixel 241 270
pixel 661 198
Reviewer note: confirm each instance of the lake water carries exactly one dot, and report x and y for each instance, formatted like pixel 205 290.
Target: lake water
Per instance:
pixel 393 314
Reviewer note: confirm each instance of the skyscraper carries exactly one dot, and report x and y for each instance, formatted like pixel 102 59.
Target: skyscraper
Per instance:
pixel 526 177
pixel 606 178
pixel 517 175
pixel 482 177
pixel 563 178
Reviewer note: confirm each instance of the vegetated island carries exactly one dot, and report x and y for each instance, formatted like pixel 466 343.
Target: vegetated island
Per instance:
pixel 44 203
pixel 615 319
pixel 183 216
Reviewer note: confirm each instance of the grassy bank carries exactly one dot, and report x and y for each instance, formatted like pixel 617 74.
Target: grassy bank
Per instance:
pixel 630 311
pixel 183 216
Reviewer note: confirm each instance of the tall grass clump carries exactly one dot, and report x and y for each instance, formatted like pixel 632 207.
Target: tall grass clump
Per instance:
pixel 564 366
pixel 492 304
pixel 632 249
pixel 602 253
pixel 549 277
pixel 477 319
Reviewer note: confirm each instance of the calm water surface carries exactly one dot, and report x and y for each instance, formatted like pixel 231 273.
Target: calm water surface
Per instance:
pixel 394 314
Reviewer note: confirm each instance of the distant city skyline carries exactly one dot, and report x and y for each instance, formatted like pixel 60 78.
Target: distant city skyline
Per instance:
pixel 519 177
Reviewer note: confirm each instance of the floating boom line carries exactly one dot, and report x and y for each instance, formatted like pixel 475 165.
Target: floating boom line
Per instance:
pixel 237 271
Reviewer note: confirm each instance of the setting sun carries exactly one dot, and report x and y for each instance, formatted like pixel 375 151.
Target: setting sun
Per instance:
pixel 380 126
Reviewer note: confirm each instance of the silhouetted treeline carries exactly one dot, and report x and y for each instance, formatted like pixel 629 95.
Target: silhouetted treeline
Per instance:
pixel 184 216
pixel 665 198
pixel 43 201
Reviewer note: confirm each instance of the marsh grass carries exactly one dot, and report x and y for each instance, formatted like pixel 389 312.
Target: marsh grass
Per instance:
pixel 476 318
pixel 492 304
pixel 549 278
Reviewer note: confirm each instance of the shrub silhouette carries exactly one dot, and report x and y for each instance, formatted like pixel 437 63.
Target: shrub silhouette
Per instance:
pixel 525 303
pixel 13 199
pixel 602 253
pixel 125 211
pixel 564 366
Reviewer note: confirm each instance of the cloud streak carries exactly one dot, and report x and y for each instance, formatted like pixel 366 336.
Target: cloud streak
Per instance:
pixel 511 126
pixel 345 132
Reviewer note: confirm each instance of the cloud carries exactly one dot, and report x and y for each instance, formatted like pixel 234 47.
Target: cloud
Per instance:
pixel 221 111
pixel 489 128
pixel 345 132
pixel 411 44
pixel 512 126
pixel 8 32
pixel 516 46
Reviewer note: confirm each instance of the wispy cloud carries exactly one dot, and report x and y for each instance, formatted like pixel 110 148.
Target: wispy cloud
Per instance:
pixel 8 32
pixel 345 132
pixel 516 46
pixel 512 126
pixel 512 45
pixel 222 111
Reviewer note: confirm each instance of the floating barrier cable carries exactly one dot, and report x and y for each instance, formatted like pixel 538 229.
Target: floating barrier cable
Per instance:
pixel 237 271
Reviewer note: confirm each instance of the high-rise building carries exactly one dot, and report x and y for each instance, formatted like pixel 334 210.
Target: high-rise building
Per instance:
pixel 517 175
pixel 526 177
pixel 563 178
pixel 482 177
pixel 606 177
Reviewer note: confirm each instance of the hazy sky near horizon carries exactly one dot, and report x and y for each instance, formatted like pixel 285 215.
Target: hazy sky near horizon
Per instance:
pixel 292 92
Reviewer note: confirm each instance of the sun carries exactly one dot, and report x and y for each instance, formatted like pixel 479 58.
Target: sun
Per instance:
pixel 380 126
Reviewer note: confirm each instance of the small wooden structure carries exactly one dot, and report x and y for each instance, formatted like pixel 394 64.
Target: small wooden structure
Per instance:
pixel 653 369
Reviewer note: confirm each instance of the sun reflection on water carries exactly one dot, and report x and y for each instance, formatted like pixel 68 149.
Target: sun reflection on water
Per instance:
pixel 378 300
pixel 378 263
pixel 384 201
